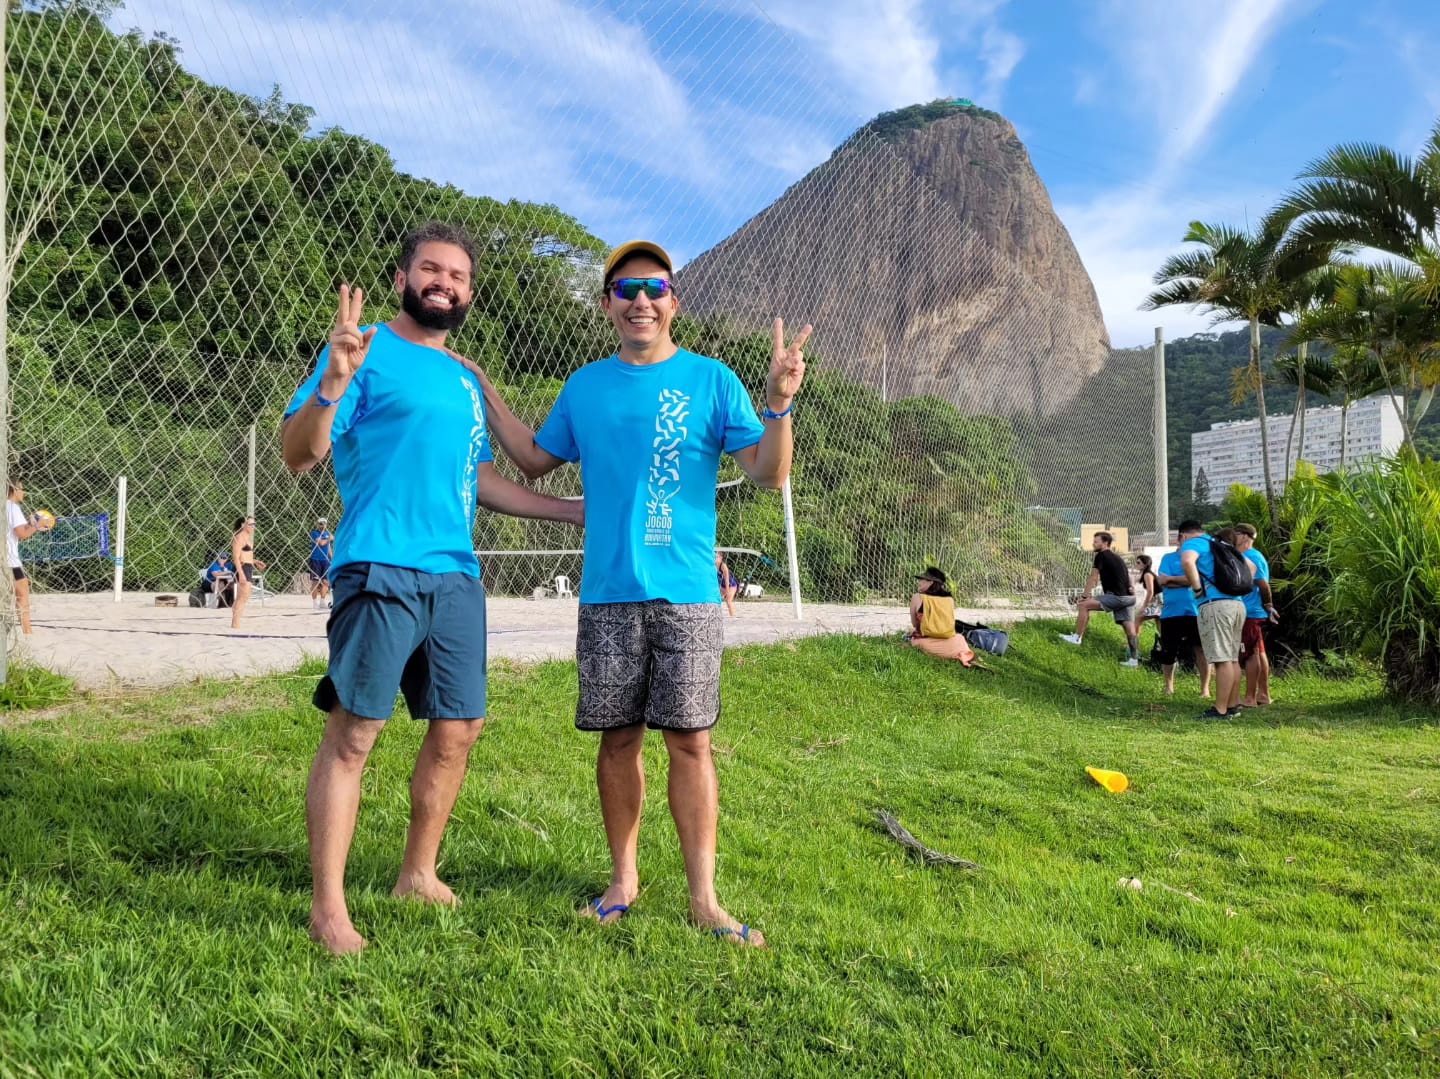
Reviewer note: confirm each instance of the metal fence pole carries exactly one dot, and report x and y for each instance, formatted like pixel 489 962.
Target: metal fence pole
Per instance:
pixel 7 583
pixel 250 476
pixel 1162 446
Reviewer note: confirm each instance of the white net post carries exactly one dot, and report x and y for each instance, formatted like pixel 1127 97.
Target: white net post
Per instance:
pixel 122 500
pixel 792 555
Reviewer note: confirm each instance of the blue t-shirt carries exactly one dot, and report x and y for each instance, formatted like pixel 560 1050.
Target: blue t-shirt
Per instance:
pixel 408 438
pixel 320 542
pixel 649 439
pixel 1178 601
pixel 216 568
pixel 1254 604
pixel 1206 566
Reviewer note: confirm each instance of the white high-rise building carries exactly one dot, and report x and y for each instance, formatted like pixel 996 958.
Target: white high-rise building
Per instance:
pixel 1230 452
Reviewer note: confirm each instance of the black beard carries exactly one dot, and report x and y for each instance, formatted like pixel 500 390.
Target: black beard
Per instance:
pixel 414 306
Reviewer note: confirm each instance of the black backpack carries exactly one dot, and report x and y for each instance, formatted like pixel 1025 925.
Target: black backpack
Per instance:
pixel 1234 573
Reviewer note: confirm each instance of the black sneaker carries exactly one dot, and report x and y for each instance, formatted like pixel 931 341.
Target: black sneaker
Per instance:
pixel 1211 713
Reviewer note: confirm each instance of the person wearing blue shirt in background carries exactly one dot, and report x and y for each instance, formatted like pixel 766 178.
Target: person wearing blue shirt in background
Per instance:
pixel 322 553
pixel 1259 612
pixel 1179 617
pixel 1221 617
pixel 648 426
pixel 412 460
pixel 219 576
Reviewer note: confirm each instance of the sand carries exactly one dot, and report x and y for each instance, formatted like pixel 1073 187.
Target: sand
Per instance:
pixel 106 645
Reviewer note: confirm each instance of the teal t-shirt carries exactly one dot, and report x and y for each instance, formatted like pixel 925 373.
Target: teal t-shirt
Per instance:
pixel 1254 604
pixel 1206 565
pixel 1178 601
pixel 408 438
pixel 649 439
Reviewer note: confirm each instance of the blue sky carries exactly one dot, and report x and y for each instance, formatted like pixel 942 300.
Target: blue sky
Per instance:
pixel 679 119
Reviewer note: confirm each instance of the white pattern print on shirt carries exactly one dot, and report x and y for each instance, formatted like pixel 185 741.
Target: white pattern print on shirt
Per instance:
pixel 664 480
pixel 477 443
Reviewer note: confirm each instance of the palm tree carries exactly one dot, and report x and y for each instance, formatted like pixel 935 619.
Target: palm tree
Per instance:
pixel 1306 374
pixel 1305 294
pixel 1354 374
pixel 1239 275
pixel 1382 310
pixel 1367 195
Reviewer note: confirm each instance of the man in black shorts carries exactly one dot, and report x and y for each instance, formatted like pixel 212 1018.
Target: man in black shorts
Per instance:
pixel 1117 596
pixel 1179 617
pixel 648 426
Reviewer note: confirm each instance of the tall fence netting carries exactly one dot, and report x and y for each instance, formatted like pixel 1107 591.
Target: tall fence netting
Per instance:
pixel 174 245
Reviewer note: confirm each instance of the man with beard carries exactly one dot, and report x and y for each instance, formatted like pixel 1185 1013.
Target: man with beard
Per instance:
pixel 648 426
pixel 412 459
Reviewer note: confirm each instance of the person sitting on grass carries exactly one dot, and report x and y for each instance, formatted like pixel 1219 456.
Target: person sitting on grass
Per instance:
pixel 1117 595
pixel 932 618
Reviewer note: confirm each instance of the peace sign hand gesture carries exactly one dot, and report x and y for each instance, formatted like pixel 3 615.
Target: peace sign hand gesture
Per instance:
pixel 348 346
pixel 787 367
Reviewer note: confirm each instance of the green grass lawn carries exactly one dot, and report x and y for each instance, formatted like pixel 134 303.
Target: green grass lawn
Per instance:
pixel 153 884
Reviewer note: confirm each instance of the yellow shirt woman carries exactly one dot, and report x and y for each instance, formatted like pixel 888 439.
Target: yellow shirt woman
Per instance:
pixel 932 617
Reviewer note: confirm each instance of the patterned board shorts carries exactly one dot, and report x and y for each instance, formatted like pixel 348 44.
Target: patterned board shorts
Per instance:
pixel 654 662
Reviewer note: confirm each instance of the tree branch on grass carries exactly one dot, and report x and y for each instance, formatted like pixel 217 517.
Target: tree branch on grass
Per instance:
pixel 901 835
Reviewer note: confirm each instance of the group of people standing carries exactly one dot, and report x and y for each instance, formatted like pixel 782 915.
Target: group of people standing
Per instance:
pixel 231 578
pixel 1201 612
pixel 409 424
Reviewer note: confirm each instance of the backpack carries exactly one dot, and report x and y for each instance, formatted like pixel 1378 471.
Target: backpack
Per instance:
pixel 1234 573
pixel 981 636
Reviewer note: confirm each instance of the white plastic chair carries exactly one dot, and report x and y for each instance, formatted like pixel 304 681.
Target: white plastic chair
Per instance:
pixel 562 587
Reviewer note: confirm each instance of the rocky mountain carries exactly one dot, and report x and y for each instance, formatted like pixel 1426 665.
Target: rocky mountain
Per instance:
pixel 929 258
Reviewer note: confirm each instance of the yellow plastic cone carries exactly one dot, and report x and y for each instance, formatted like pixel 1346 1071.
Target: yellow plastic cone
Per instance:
pixel 1114 782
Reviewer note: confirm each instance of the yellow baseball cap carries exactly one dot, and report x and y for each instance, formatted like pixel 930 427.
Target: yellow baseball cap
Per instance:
pixel 638 247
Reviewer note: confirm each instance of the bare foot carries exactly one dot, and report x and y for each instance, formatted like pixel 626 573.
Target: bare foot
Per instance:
pixel 1262 701
pixel 1247 704
pixel 336 934
pixel 727 928
pixel 615 902
pixel 1169 691
pixel 425 887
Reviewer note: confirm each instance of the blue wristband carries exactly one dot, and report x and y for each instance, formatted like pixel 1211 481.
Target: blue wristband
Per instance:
pixel 767 414
pixel 323 401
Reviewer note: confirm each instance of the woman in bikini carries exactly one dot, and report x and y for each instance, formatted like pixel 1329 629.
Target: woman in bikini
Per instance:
pixel 242 556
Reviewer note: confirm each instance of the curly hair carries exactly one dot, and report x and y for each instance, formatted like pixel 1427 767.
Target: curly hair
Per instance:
pixel 440 232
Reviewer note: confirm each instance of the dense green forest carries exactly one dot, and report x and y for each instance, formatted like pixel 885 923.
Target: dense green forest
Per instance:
pixel 179 248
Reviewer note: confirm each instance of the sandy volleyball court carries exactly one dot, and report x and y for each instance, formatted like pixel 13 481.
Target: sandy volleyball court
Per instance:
pixel 108 645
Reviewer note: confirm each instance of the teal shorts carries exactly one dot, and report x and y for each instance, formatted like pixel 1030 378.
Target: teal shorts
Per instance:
pixel 400 630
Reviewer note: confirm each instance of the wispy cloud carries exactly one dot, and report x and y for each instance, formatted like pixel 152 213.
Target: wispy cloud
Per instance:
pixel 884 53
pixel 1185 66
pixel 1188 61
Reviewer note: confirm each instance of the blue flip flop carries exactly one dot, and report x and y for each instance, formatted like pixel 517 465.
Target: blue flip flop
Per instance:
pixel 602 912
pixel 743 933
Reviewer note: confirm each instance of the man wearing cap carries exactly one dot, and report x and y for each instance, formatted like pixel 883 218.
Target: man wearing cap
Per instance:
pixel 322 551
pixel 219 575
pixel 412 460
pixel 648 426
pixel 932 618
